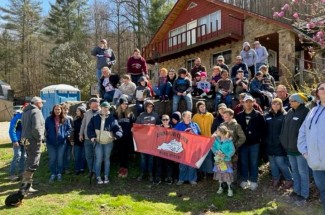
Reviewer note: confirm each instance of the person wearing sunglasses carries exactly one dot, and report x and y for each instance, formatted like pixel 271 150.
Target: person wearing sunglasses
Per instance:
pixel 288 138
pixel 311 141
pixel 161 162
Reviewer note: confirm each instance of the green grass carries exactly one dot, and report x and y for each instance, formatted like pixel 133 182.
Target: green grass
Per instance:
pixel 74 195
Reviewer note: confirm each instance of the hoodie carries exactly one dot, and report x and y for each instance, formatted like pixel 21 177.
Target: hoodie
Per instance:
pixel 249 57
pixel 148 118
pixel 85 121
pixel 33 124
pixel 142 92
pixel 105 57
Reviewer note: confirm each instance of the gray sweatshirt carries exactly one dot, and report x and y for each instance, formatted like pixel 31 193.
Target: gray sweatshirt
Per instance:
pixel 87 117
pixel 33 124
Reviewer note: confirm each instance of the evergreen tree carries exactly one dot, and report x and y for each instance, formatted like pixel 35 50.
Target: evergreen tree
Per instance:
pixel 158 11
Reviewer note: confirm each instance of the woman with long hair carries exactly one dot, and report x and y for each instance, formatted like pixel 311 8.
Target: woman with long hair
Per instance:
pixel 57 130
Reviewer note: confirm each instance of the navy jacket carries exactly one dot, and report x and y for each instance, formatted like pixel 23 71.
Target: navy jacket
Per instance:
pixel 59 138
pixel 110 125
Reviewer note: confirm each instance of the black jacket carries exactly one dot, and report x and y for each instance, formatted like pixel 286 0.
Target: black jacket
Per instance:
pixel 273 130
pixel 76 130
pixel 255 129
pixel 291 126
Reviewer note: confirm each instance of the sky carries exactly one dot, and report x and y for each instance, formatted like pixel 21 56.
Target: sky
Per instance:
pixel 45 5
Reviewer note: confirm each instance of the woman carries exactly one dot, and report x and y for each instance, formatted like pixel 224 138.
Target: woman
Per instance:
pixel 107 85
pixel 204 120
pixel 57 129
pixel 311 141
pixel 276 154
pixel 102 130
pixel 288 138
pixel 187 173
pixel 125 119
pixel 78 147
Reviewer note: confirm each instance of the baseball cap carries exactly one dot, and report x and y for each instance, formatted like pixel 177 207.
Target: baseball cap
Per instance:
pixel 105 104
pixel 248 97
pixel 36 99
pixel 93 100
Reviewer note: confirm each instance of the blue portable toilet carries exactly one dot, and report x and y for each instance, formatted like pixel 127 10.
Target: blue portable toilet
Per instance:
pixel 57 94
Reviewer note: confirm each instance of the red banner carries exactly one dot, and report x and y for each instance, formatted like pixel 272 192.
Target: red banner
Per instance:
pixel 182 147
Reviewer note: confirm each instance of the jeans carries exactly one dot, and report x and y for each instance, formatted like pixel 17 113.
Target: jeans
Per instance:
pixel 118 94
pixel 19 158
pixel 248 159
pixel 187 173
pixel 135 78
pixel 139 107
pixel 164 89
pixel 124 147
pixel 146 163
pixel 79 157
pixel 56 158
pixel 108 96
pixel 300 173
pixel 164 164
pixel 319 177
pixel 227 98
pixel 188 99
pixel 90 155
pixel 103 152
pixel 67 156
pixel 252 69
pixel 280 164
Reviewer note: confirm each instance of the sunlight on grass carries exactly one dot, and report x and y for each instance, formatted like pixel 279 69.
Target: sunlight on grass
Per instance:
pixel 172 194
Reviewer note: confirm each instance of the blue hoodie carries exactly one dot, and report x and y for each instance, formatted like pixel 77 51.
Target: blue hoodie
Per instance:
pixel 226 147
pixel 15 128
pixel 311 138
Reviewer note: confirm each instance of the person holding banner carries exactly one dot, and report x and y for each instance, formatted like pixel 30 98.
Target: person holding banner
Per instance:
pixel 224 149
pixel 187 173
pixel 204 120
pixel 148 117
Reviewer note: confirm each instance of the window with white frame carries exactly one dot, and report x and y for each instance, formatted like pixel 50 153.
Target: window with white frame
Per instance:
pixel 177 36
pixel 212 22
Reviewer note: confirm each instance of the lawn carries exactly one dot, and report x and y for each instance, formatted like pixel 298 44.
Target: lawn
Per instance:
pixel 74 195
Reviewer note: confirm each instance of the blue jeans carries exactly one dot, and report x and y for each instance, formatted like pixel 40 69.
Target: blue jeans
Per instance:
pixel 79 157
pixel 103 152
pixel 248 159
pixel 56 158
pixel 187 173
pixel 67 156
pixel 146 163
pixel 300 173
pixel 135 78
pixel 139 107
pixel 319 177
pixel 19 158
pixel 227 98
pixel 108 96
pixel 188 99
pixel 164 89
pixel 90 155
pixel 280 165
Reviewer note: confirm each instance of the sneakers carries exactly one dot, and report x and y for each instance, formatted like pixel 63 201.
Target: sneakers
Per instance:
pixel 301 201
pixel 169 180
pixel 166 99
pixel 52 178
pixel 244 184
pixel 99 180
pixel 106 181
pixel 220 190
pixel 230 193
pixel 59 177
pixel 157 181
pixel 180 182
pixel 32 190
pixel 253 186
pixel 13 178
pixel 193 182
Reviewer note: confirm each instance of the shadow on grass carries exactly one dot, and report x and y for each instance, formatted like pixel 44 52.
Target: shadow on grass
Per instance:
pixel 186 198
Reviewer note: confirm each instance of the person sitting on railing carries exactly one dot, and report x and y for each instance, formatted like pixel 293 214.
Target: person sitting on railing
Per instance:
pixel 224 90
pixel 197 67
pixel 182 89
pixel 221 62
pixel 239 65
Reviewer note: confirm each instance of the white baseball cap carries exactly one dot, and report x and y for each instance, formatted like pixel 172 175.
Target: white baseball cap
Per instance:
pixel 36 99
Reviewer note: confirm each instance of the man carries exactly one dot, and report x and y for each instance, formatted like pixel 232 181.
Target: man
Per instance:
pixel 239 65
pixel 253 125
pixel 261 54
pixel 105 57
pixel 240 107
pixel 89 147
pixel 282 93
pixel 197 67
pixel 33 127
pixel 137 66
pixel 240 83
pixel 221 63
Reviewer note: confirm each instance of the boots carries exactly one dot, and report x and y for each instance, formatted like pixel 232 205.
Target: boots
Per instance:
pixel 275 183
pixel 287 184
pixel 27 177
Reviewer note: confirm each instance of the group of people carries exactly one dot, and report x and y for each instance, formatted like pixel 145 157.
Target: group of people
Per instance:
pixel 266 123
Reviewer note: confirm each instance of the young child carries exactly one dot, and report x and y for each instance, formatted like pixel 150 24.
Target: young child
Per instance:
pixel 224 149
pixel 142 93
pixel 162 163
pixel 224 88
pixel 196 80
pixel 164 85
pixel 204 87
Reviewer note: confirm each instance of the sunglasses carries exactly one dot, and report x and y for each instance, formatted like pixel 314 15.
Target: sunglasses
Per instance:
pixel 321 88
pixel 164 119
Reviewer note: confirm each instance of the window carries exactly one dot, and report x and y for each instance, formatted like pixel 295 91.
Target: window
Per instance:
pixel 212 22
pixel 225 54
pixel 177 36
pixel 190 64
